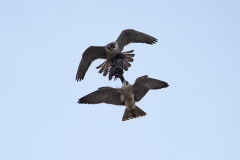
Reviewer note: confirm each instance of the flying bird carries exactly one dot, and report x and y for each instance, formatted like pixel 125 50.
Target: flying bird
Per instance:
pixel 111 50
pixel 127 95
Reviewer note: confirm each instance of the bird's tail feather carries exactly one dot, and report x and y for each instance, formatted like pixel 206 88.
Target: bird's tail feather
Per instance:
pixel 135 113
pixel 106 69
pixel 126 65
pixel 101 64
pixel 128 52
pixel 126 61
pixel 129 59
pixel 105 66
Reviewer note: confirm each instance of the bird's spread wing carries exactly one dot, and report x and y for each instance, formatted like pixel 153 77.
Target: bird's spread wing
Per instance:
pixel 103 95
pixel 91 53
pixel 132 36
pixel 143 84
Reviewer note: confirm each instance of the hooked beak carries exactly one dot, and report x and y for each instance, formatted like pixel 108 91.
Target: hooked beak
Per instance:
pixel 111 47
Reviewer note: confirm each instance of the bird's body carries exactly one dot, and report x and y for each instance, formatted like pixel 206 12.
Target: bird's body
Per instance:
pixel 126 96
pixel 111 50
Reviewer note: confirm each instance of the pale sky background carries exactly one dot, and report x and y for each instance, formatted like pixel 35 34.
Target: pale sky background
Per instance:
pixel 198 54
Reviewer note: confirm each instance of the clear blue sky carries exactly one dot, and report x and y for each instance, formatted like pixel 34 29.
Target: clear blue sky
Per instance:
pixel 198 54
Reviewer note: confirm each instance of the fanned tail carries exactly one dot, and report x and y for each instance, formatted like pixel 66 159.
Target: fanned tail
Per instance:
pixel 101 64
pixel 135 113
pixel 106 69
pixel 126 65
pixel 105 66
pixel 128 59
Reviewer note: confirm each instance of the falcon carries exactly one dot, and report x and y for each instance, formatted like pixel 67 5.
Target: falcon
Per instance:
pixel 111 50
pixel 127 95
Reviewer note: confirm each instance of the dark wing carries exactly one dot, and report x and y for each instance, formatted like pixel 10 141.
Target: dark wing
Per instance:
pixel 132 36
pixel 91 53
pixel 103 95
pixel 143 84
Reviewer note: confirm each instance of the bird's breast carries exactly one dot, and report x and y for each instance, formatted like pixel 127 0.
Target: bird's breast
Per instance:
pixel 130 104
pixel 111 55
pixel 129 101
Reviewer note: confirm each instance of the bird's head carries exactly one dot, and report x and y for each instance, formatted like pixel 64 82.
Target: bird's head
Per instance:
pixel 126 83
pixel 111 46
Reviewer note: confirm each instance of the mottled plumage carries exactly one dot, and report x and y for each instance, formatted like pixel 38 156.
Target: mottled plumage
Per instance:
pixel 125 57
pixel 127 95
pixel 111 50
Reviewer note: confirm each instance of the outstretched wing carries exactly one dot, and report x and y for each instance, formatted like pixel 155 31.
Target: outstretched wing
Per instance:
pixel 91 53
pixel 103 95
pixel 132 36
pixel 143 84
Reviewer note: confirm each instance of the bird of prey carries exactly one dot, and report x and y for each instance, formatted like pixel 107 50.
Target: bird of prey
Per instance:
pixel 127 95
pixel 111 50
